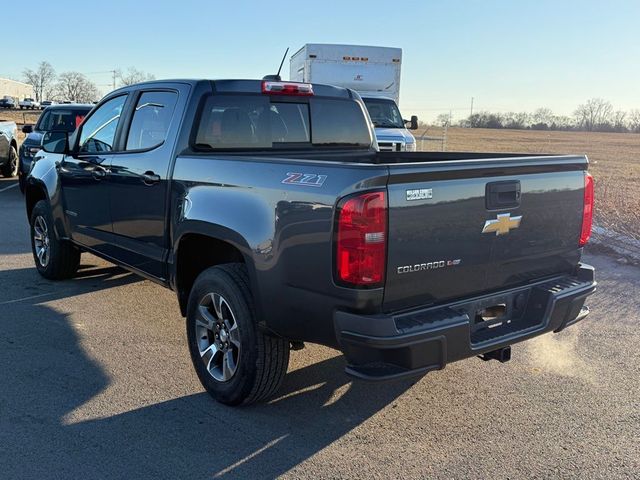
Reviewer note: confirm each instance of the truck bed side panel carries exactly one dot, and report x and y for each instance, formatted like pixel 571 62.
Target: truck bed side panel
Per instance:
pixel 284 229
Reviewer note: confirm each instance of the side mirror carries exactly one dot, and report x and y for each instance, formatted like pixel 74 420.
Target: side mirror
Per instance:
pixel 27 129
pixel 414 123
pixel 56 142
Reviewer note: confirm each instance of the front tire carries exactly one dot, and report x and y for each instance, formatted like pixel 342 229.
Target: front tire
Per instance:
pixel 235 361
pixel 55 259
pixel 10 169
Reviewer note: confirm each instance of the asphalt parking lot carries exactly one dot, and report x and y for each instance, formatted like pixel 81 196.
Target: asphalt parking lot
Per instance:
pixel 96 382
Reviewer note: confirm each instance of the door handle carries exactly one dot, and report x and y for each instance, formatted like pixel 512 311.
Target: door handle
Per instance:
pixel 99 173
pixel 150 178
pixel 502 195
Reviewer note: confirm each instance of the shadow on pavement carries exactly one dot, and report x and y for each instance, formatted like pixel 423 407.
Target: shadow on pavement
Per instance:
pixel 25 284
pixel 45 375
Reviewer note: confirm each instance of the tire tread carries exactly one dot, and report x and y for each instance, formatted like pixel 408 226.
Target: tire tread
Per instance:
pixel 273 352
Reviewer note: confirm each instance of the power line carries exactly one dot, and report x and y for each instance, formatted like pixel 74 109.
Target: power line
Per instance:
pixel 112 72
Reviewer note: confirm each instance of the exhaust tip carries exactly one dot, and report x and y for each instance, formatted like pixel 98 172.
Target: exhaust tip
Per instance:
pixel 503 355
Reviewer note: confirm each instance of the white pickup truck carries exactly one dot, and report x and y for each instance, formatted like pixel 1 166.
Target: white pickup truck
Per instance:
pixel 29 104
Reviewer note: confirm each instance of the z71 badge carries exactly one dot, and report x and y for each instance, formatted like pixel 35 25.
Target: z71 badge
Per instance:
pixel 305 179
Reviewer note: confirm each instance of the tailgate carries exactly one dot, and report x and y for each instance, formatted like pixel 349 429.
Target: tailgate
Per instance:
pixel 467 227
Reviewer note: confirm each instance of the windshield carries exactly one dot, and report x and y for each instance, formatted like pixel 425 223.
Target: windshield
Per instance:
pixel 60 120
pixel 384 113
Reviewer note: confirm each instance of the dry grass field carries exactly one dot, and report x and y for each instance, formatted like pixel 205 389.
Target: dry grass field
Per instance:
pixel 614 157
pixel 20 117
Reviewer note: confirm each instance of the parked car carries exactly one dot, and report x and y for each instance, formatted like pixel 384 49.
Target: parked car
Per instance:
pixel 266 207
pixel 8 149
pixel 8 102
pixel 56 117
pixel 47 103
pixel 29 104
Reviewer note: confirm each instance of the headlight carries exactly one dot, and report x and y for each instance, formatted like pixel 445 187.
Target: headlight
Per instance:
pixel 30 151
pixel 410 147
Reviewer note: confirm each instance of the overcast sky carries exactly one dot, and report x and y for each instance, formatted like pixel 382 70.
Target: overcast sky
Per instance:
pixel 509 55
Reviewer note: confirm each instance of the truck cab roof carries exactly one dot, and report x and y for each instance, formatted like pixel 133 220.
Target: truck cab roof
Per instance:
pixel 241 86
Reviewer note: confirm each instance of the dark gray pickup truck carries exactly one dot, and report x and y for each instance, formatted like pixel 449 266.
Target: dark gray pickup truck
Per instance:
pixel 267 208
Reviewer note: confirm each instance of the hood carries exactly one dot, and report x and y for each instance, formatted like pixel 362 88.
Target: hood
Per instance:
pixel 394 135
pixel 34 138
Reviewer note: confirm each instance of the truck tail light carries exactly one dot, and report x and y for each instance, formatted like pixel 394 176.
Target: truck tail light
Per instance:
pixel 587 212
pixel 362 239
pixel 287 88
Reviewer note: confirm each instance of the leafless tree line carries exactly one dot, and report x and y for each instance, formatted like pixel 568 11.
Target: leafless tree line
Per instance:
pixel 73 86
pixel 595 115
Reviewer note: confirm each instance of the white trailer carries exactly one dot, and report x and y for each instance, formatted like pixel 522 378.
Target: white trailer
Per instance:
pixel 374 72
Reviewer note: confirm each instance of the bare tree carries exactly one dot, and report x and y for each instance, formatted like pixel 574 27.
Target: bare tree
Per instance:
pixel 444 120
pixel 132 76
pixel 75 87
pixel 634 121
pixel 619 121
pixel 517 120
pixel 593 113
pixel 42 79
pixel 543 115
pixel 561 122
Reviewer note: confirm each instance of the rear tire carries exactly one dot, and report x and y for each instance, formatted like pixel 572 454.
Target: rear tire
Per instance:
pixel 10 169
pixel 55 259
pixel 221 307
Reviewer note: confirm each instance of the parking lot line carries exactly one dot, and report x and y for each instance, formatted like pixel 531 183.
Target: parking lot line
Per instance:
pixel 27 298
pixel 7 188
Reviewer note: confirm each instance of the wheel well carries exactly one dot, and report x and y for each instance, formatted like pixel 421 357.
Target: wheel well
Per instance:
pixel 195 254
pixel 33 195
pixel 14 144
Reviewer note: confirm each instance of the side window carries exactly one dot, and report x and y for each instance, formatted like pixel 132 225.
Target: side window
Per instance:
pixel 151 120
pixel 99 131
pixel 44 124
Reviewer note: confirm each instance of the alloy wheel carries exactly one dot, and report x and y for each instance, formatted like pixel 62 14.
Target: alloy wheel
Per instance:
pixel 41 241
pixel 218 337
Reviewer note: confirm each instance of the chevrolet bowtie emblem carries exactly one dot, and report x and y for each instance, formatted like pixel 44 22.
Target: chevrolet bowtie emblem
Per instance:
pixel 502 224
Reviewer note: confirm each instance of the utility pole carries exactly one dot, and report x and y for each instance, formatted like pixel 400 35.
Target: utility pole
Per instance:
pixel 113 77
pixel 471 114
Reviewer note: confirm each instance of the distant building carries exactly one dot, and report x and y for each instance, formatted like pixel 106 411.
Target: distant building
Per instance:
pixel 11 88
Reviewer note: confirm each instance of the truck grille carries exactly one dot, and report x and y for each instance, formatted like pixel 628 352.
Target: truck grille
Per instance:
pixel 390 146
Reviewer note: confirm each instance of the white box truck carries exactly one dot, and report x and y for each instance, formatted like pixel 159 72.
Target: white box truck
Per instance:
pixel 373 72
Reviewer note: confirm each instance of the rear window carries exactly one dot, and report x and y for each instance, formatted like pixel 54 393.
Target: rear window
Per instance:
pixel 262 122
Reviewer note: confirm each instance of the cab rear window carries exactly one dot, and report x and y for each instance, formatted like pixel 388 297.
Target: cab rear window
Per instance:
pixel 264 122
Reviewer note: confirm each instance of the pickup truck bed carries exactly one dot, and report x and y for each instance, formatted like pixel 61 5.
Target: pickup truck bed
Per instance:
pixel 403 261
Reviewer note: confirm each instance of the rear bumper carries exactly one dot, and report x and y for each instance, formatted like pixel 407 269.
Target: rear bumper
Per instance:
pixel 387 346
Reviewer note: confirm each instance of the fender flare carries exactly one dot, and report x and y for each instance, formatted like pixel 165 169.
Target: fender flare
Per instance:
pixel 215 232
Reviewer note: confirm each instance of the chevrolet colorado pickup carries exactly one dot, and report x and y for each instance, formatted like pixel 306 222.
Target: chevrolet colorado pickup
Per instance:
pixel 267 208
